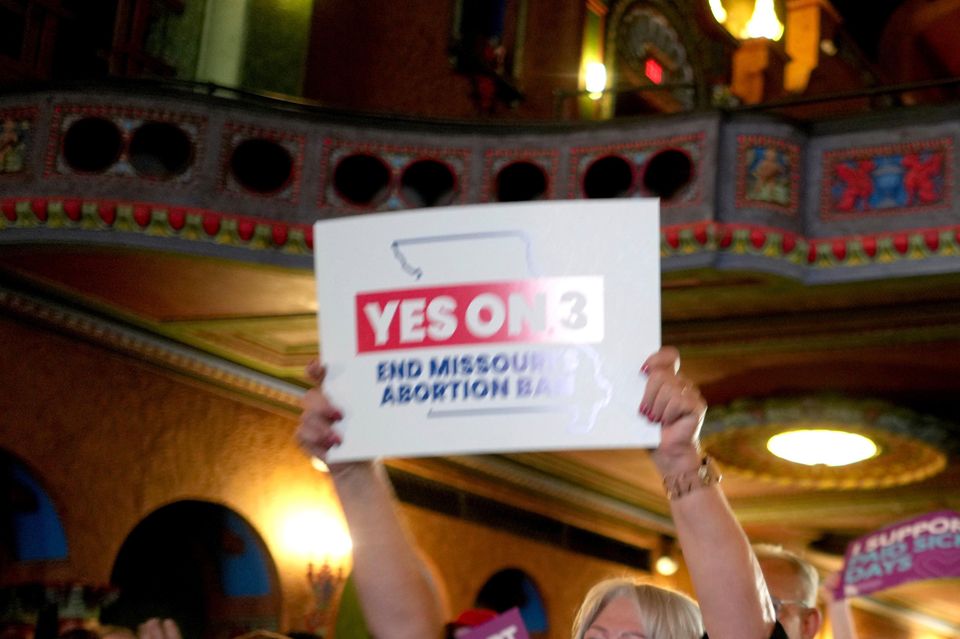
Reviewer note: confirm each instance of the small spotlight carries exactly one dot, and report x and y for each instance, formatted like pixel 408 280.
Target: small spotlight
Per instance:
pixel 667 566
pixel 319 464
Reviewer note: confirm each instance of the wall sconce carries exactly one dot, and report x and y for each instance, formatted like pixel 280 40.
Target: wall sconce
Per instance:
pixel 666 563
pixel 321 542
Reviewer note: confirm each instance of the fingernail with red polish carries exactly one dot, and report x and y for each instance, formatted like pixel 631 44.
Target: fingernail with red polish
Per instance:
pixel 336 416
pixel 645 369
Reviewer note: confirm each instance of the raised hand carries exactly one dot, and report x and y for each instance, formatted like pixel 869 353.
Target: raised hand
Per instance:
pixel 316 433
pixel 676 403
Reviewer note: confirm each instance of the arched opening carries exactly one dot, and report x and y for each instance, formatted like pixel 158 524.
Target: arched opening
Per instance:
pixel 92 145
pixel 200 564
pixel 361 179
pixel 261 166
pixel 608 177
pixel 667 173
pixel 160 150
pixel 521 182
pixel 428 183
pixel 30 529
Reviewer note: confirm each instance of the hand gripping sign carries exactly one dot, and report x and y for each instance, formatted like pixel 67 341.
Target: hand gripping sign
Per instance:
pixel 490 328
pixel 925 547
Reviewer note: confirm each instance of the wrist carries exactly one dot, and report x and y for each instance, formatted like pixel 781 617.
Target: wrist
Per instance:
pixel 347 470
pixel 677 459
pixel 686 482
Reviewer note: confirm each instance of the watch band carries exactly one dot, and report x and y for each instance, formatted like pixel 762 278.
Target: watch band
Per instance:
pixel 706 474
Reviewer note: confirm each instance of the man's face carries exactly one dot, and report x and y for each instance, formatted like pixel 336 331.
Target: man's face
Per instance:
pixel 786 586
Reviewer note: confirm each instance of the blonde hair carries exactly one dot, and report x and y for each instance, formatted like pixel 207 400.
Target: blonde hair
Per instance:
pixel 667 614
pixel 809 579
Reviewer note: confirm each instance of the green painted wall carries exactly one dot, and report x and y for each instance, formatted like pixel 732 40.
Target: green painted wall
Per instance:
pixel 176 38
pixel 278 32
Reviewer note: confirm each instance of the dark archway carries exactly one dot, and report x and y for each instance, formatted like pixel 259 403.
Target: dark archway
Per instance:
pixel 200 564
pixel 30 528
pixel 513 588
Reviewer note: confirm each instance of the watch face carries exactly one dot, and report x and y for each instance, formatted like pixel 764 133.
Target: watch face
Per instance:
pixel 653 53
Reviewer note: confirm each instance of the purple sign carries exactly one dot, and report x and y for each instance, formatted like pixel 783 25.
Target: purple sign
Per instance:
pixel 925 547
pixel 509 625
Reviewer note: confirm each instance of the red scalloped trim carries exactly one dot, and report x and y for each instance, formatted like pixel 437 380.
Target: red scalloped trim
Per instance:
pixel 220 227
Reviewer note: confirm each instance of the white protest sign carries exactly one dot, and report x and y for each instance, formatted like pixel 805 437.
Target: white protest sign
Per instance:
pixel 490 328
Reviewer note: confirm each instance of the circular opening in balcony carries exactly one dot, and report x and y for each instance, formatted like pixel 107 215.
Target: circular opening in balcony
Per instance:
pixel 92 145
pixel 261 166
pixel 606 177
pixel 428 183
pixel 667 173
pixel 521 182
pixel 160 150
pixel 361 179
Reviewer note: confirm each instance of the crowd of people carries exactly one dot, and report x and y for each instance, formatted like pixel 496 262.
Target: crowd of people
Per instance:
pixel 742 591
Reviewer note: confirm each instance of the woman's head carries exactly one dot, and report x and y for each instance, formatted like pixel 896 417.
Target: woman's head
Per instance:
pixel 648 611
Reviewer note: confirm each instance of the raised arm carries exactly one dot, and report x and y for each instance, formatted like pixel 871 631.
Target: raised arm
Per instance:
pixel 838 610
pixel 393 586
pixel 726 576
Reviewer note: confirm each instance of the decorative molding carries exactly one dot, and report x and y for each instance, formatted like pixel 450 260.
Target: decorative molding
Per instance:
pixel 893 179
pixel 765 243
pixel 151 349
pixel 155 220
pixel 770 182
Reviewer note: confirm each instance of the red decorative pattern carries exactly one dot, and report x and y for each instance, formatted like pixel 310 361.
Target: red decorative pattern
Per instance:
pixel 457 159
pixel 755 171
pixel 496 159
pixel 294 143
pixel 205 225
pixel 639 153
pixel 158 220
pixel 65 115
pixel 920 180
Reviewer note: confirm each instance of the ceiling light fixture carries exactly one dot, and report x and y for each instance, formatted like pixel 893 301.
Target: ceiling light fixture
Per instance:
pixel 802 441
pixel 822 446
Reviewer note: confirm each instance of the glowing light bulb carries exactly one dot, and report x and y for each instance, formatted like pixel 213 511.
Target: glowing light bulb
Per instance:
pixel 667 565
pixel 822 446
pixel 595 79
pixel 763 23
pixel 316 536
pixel 719 13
